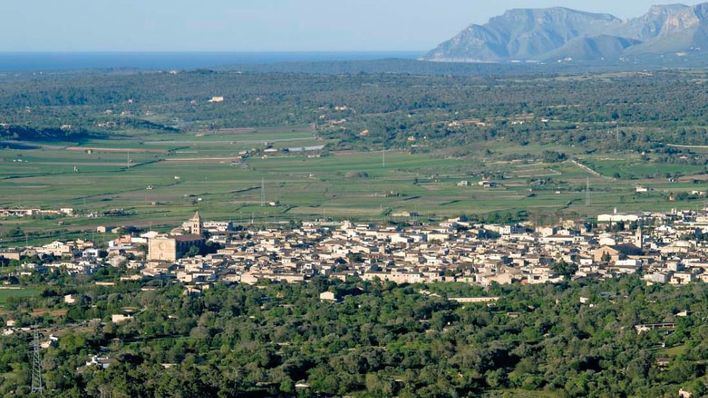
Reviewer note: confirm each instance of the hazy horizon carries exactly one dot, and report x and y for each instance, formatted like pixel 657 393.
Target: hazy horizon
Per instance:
pixel 284 26
pixel 156 60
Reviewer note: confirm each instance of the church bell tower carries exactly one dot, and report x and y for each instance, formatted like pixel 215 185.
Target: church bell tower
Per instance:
pixel 195 224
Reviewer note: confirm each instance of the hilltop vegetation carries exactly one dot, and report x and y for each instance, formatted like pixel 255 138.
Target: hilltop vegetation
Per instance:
pixel 381 340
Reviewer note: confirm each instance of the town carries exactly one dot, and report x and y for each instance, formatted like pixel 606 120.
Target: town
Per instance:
pixel 314 199
pixel 667 247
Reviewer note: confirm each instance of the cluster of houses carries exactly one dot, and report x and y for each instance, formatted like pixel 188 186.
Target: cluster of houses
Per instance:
pixel 30 212
pixel 665 247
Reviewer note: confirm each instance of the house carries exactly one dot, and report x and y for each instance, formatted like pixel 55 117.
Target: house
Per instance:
pixel 53 341
pixel 328 296
pixel 503 278
pixel 216 226
pixel 684 394
pixel 474 300
pixel 404 213
pixel 681 278
pixel 100 362
pixel 487 184
pixel 57 249
pixel 617 217
pixel 120 318
pixel 10 254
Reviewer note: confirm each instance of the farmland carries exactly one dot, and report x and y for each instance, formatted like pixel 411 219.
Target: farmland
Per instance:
pixel 20 293
pixel 160 182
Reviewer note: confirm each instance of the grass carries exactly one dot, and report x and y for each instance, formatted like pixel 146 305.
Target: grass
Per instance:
pixel 633 168
pixel 674 351
pixel 25 292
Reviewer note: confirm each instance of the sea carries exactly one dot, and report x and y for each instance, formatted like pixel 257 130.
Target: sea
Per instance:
pixel 63 61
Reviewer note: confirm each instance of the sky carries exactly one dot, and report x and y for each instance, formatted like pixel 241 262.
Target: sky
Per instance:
pixel 259 25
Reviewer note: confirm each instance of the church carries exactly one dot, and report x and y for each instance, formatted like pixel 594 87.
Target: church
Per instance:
pixel 171 247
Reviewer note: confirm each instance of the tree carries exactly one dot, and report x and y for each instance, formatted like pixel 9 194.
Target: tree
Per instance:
pixel 193 251
pixel 562 268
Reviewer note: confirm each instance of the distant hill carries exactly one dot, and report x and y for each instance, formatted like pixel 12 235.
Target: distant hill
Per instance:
pixel 559 33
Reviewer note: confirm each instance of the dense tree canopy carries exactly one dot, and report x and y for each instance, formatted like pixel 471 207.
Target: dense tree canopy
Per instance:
pixel 639 111
pixel 379 340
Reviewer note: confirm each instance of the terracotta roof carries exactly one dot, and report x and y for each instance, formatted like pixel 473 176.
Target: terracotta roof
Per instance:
pixel 188 238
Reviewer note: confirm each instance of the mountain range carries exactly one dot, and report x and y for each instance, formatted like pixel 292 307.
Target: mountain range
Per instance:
pixel 559 33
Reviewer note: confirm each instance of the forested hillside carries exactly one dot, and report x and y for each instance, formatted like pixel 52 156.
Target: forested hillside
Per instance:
pixel 380 340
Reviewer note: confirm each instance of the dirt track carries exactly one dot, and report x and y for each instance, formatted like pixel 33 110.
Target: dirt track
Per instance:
pixel 124 150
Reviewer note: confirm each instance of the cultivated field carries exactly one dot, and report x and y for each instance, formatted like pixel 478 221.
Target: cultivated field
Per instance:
pixel 7 293
pixel 159 180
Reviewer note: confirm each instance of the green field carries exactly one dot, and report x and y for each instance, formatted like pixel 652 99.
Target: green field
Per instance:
pixel 5 294
pixel 161 179
pixel 634 168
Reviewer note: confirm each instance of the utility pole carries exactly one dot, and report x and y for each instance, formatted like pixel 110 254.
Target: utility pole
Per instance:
pixel 617 130
pixel 262 192
pixel 127 165
pixel 587 191
pixel 37 387
pixel 383 157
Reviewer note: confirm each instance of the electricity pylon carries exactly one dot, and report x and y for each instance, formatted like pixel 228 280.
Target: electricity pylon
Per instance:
pixel 37 386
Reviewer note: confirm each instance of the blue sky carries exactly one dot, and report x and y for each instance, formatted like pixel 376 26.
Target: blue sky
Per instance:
pixel 258 25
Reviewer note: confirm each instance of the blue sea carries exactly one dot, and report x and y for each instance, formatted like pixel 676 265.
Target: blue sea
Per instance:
pixel 57 61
